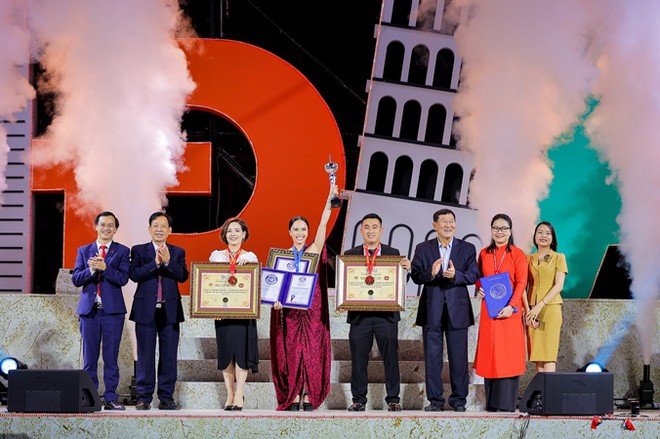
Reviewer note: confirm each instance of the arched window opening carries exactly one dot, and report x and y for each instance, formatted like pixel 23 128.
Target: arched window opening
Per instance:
pixel 385 117
pixel 444 67
pixel 451 188
pixel 402 176
pixel 412 113
pixel 377 172
pixel 428 177
pixel 419 64
pixel 435 124
pixel 393 61
pixel 401 12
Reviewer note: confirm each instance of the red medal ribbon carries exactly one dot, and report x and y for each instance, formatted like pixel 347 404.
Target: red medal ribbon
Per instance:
pixel 232 260
pixel 495 264
pixel 232 266
pixel 371 261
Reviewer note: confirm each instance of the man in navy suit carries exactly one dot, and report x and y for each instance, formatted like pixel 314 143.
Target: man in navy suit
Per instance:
pixel 157 267
pixel 365 325
pixel 445 265
pixel 101 270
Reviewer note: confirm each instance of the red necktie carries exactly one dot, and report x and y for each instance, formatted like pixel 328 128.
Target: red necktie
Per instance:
pixel 159 295
pixel 98 291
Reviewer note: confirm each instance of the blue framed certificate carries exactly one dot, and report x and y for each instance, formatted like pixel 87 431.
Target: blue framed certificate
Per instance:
pixel 299 291
pixel 272 285
pixel 292 290
pixel 497 292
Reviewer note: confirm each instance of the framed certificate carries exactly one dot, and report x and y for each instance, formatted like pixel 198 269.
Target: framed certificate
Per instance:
pixel 497 292
pixel 292 290
pixel 217 293
pixel 272 285
pixel 284 260
pixel 299 291
pixel 382 290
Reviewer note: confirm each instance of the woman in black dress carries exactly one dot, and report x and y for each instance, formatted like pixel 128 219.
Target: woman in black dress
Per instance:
pixel 238 349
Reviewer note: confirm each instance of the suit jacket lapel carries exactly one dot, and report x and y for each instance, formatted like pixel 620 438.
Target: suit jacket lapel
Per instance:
pixel 434 249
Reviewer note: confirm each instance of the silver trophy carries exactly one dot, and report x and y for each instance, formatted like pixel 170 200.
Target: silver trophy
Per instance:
pixel 331 168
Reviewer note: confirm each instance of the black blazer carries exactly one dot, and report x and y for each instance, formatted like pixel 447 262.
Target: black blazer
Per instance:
pixel 454 291
pixel 144 272
pixel 356 316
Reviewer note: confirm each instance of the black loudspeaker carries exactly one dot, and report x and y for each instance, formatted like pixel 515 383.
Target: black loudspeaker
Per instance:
pixel 51 391
pixel 561 393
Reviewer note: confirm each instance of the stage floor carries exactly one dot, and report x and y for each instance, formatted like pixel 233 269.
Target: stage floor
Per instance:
pixel 322 424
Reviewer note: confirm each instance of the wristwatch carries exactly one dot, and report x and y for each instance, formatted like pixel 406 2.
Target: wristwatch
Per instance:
pixel 515 310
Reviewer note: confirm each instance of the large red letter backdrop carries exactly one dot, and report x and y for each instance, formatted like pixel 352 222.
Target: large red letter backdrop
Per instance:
pixel 288 124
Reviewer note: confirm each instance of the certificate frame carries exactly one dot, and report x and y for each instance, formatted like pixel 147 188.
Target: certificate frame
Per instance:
pixel 299 291
pixel 387 293
pixel 284 260
pixel 272 284
pixel 213 297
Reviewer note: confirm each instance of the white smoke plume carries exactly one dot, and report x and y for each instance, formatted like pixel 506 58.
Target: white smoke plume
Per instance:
pixel 624 127
pixel 524 82
pixel 122 84
pixel 15 90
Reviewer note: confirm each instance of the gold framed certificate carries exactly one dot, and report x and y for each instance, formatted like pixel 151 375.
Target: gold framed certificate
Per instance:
pixel 216 292
pixel 284 260
pixel 384 289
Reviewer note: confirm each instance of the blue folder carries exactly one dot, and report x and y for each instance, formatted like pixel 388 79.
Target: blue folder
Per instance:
pixel 497 292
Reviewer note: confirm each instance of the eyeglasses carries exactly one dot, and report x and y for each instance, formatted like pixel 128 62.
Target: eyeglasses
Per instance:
pixel 500 229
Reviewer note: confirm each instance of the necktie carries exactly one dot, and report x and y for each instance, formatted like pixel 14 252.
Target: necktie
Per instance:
pixel 98 291
pixel 159 295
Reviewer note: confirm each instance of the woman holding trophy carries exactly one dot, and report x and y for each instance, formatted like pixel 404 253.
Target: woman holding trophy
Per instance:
pixel 238 349
pixel 300 338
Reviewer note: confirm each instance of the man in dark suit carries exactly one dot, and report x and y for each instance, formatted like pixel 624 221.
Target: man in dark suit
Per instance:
pixel 367 324
pixel 101 270
pixel 157 267
pixel 445 265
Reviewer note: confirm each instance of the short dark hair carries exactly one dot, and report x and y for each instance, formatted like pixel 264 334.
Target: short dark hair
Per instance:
pixel 443 212
pixel 298 218
pixel 503 216
pixel 106 213
pixel 372 216
pixel 225 227
pixel 158 214
pixel 553 244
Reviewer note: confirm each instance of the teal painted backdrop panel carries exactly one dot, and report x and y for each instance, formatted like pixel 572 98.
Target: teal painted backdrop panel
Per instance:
pixel 583 208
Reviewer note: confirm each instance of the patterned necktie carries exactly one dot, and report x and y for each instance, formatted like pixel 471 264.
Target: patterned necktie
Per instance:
pixel 103 248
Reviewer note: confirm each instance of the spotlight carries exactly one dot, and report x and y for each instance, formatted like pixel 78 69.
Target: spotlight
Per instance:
pixel 10 363
pixel 592 367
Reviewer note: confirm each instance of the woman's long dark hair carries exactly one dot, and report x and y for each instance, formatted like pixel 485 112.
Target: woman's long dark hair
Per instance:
pixel 491 248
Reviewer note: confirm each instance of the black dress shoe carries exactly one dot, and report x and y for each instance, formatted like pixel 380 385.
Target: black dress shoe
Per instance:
pixel 229 408
pixel 113 405
pixel 294 407
pixel 393 407
pixel 307 407
pixel 459 408
pixel 143 405
pixel 434 408
pixel 168 405
pixel 356 407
